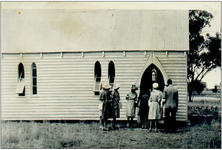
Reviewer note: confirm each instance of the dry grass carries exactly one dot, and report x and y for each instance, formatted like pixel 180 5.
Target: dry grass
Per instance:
pixel 204 132
pixel 88 135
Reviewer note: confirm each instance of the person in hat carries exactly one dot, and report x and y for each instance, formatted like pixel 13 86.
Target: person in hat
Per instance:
pixel 130 105
pixel 154 106
pixel 106 106
pixel 115 104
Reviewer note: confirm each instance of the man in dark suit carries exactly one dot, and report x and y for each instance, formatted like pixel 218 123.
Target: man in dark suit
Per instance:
pixel 171 106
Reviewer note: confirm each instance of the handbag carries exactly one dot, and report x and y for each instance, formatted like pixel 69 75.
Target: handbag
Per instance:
pixel 100 105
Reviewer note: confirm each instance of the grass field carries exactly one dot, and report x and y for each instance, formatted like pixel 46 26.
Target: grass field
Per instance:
pixel 203 131
pixel 207 94
pixel 81 135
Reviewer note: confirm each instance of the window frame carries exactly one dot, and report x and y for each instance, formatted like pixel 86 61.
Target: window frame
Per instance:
pixel 155 73
pixel 111 71
pixel 34 67
pixel 97 77
pixel 21 80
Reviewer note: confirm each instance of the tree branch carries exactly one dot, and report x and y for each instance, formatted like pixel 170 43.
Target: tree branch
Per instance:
pixel 200 73
pixel 206 72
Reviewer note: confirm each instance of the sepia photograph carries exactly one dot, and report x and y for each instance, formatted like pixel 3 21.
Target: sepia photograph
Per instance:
pixel 111 75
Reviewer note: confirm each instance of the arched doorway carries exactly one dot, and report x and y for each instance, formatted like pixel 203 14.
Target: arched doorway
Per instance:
pixel 151 74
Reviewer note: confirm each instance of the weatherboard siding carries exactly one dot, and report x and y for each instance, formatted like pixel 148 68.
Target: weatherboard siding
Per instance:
pixel 65 83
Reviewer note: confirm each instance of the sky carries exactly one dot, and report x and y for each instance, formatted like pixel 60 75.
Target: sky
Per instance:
pixel 214 76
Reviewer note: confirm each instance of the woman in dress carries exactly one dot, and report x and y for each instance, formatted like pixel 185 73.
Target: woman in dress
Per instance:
pixel 106 106
pixel 154 106
pixel 130 105
pixel 144 109
pixel 115 103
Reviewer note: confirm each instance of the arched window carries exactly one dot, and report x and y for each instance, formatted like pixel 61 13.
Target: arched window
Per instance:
pixel 21 72
pixel 111 72
pixel 154 76
pixel 20 90
pixel 34 79
pixel 97 78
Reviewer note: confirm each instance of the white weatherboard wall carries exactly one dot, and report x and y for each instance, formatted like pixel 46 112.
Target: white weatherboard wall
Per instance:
pixel 65 84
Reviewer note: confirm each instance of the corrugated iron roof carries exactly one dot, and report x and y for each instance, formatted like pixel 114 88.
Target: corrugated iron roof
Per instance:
pixel 42 30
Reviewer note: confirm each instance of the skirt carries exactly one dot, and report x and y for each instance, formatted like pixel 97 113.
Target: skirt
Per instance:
pixel 130 108
pixel 144 109
pixel 154 111
pixel 106 110
pixel 115 109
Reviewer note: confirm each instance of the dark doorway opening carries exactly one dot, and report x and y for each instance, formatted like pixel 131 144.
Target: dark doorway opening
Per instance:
pixel 151 74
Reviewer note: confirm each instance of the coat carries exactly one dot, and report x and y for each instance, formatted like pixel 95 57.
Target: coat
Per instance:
pixel 115 103
pixel 171 97
pixel 143 106
pixel 106 108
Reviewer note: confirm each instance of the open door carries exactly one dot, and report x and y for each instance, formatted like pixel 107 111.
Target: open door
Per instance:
pixel 151 74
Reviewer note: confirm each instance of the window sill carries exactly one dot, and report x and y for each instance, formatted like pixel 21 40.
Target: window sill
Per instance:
pixel 21 96
pixel 34 96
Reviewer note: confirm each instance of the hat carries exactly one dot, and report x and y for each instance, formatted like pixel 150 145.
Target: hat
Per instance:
pixel 134 87
pixel 116 86
pixel 155 85
pixel 106 86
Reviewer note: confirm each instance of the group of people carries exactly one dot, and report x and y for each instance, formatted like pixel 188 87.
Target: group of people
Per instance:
pixel 153 105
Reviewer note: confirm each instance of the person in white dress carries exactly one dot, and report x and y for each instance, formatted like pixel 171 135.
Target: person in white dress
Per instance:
pixel 154 107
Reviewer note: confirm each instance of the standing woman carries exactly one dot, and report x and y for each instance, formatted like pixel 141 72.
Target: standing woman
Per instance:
pixel 115 104
pixel 144 109
pixel 106 107
pixel 130 105
pixel 154 106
